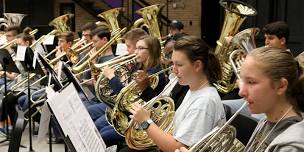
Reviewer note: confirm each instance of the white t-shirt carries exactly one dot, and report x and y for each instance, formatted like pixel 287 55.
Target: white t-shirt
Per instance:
pixel 199 113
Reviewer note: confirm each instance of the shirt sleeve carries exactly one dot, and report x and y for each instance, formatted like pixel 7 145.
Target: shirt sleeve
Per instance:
pixel 116 85
pixel 287 149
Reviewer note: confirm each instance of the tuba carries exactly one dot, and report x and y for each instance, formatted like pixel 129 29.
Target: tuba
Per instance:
pixel 235 13
pixel 223 139
pixel 62 23
pixel 149 20
pixel 13 19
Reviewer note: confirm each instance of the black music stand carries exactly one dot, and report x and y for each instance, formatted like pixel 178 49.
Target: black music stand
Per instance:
pixel 29 68
pixel 8 65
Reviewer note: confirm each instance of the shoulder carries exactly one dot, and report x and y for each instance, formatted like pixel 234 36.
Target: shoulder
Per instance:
pixel 206 97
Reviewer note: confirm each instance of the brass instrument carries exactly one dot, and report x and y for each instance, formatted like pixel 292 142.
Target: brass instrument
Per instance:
pixel 128 95
pixel 162 113
pixel 121 66
pixel 110 16
pixel 62 23
pixel 223 139
pixel 149 19
pixel 102 49
pixel 235 13
pixel 13 19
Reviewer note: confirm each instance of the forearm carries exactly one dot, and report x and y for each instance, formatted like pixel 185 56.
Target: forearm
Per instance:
pixel 163 140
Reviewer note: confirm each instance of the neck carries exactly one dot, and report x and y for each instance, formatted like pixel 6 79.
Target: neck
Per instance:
pixel 198 83
pixel 277 112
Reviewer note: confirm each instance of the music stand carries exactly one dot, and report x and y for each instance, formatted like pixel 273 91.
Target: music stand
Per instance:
pixel 8 65
pixel 29 68
pixel 49 69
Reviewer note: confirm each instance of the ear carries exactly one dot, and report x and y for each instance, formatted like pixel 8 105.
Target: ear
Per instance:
pixel 282 86
pixel 283 41
pixel 198 65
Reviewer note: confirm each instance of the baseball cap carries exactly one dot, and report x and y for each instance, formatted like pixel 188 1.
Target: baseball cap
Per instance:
pixel 177 24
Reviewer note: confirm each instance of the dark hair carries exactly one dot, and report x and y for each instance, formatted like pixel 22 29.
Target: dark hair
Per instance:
pixel 88 26
pixel 134 34
pixel 279 28
pixel 101 32
pixel 197 49
pixel 279 63
pixel 68 36
pixel 154 49
pixel 15 29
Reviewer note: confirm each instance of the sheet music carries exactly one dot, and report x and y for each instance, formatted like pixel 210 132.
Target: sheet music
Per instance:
pixel 121 49
pixel 20 53
pixel 75 121
pixel 49 40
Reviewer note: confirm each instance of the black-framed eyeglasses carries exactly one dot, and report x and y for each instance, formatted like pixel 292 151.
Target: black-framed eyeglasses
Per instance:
pixel 141 48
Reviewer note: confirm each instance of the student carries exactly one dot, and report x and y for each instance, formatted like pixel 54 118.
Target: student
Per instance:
pixel 148 59
pixel 276 34
pixel 201 109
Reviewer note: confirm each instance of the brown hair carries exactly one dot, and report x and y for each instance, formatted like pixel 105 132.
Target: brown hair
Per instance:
pixel 197 49
pixel 88 26
pixel 154 49
pixel 15 29
pixel 68 36
pixel 134 34
pixel 25 36
pixel 277 64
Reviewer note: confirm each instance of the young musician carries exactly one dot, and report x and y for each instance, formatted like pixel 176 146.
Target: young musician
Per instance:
pixel 131 38
pixel 268 80
pixel 276 34
pixel 201 109
pixel 148 59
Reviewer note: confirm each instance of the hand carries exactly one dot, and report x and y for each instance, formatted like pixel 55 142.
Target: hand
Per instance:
pixel 182 149
pixel 108 72
pixel 1 73
pixel 142 79
pixel 140 114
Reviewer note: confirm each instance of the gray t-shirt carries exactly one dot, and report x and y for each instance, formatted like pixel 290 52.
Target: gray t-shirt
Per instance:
pixel 263 129
pixel 291 140
pixel 199 113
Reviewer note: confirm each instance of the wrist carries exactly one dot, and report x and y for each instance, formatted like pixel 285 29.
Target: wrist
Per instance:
pixel 146 124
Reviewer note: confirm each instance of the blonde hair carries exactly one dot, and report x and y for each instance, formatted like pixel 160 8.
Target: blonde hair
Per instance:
pixel 277 64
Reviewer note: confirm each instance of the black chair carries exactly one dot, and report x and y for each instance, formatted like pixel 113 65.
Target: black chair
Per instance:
pixel 245 126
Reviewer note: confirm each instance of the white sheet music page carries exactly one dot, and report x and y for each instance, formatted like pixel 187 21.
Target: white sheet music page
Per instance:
pixel 76 122
pixel 20 53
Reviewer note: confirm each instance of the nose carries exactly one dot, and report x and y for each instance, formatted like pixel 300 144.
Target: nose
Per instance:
pixel 174 69
pixel 266 41
pixel 243 91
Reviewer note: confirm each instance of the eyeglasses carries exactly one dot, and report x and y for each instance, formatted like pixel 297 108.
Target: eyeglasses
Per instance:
pixel 141 48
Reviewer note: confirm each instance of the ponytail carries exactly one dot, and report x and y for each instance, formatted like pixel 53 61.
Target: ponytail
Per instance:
pixel 213 68
pixel 297 92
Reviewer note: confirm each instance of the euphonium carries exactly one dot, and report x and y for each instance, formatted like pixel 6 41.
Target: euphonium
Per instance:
pixel 128 95
pixel 149 19
pixel 235 13
pixel 123 67
pixel 162 113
